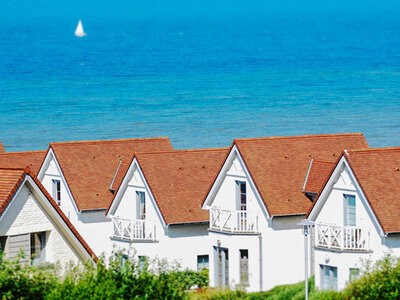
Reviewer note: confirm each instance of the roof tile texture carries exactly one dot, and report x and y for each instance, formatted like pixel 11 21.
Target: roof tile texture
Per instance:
pixel 8 180
pixel 278 165
pixel 319 172
pixel 378 173
pixel 2 150
pixel 89 166
pixel 33 159
pixel 180 180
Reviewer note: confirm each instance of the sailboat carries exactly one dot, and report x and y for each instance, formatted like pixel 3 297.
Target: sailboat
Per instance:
pixel 79 30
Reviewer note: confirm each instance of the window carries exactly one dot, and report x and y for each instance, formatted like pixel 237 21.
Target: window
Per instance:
pixel 349 210
pixel 202 262
pixel 57 191
pixel 354 274
pixel 241 195
pixel 142 261
pixel 3 241
pixel 38 241
pixel 124 259
pixel 244 266
pixel 328 277
pixel 140 206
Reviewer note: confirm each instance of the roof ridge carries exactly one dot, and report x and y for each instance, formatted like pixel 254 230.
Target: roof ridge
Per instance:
pixel 182 150
pixel 300 136
pixel 378 149
pixel 110 141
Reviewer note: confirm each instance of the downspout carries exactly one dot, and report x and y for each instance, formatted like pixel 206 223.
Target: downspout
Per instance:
pixel 260 262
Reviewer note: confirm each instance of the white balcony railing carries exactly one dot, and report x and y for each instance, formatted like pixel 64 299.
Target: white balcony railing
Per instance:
pixel 233 221
pixel 342 238
pixel 133 230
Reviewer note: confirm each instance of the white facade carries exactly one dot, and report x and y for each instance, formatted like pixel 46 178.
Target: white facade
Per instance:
pixel 341 248
pixel 30 212
pixel 275 246
pixel 92 225
pixel 150 236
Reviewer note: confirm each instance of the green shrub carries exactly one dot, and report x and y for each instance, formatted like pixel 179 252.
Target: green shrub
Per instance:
pixel 380 281
pixel 19 281
pixel 120 278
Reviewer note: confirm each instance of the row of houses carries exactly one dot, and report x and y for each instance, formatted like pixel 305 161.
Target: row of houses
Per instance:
pixel 233 210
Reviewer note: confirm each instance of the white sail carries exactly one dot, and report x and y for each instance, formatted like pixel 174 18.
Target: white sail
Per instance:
pixel 79 30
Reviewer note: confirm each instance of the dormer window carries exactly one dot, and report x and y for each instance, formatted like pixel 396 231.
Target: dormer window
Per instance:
pixel 140 206
pixel 349 210
pixel 57 191
pixel 241 195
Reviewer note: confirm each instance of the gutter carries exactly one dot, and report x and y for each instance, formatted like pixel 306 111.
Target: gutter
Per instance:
pixel 92 210
pixel 188 223
pixel 289 215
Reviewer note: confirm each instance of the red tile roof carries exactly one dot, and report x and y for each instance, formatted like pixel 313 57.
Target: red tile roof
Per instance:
pixel 33 159
pixel 2 150
pixel 180 180
pixel 89 166
pixel 10 181
pixel 319 172
pixel 278 165
pixel 377 171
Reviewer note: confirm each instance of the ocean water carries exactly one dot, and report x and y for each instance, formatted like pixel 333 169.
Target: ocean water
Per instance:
pixel 200 72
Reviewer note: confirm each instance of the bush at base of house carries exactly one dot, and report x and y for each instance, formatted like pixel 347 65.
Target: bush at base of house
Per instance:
pixel 122 279
pixel 380 281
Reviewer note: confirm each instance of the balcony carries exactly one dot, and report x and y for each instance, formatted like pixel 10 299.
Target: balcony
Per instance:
pixel 341 238
pixel 133 230
pixel 234 221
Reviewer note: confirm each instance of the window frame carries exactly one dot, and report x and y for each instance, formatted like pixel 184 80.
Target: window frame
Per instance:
pixel 242 275
pixel 42 238
pixel 333 281
pixel 239 195
pixel 347 221
pixel 353 276
pixel 56 191
pixel 204 264
pixel 140 206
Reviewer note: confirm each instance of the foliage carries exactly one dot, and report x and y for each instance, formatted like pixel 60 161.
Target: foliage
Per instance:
pixel 120 278
pixel 19 281
pixel 380 281
pixel 217 294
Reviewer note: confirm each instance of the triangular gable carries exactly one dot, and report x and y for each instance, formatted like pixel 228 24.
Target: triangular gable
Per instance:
pixel 2 150
pixel 234 165
pixel 134 177
pixel 344 181
pixel 50 161
pixel 52 210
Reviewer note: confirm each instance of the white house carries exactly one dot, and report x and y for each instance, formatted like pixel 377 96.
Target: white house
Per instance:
pixel 157 207
pixel 357 215
pixel 31 221
pixel 255 204
pixel 80 176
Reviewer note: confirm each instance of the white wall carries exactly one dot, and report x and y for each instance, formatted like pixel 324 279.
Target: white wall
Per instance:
pixel 279 248
pixel 331 210
pixel 179 243
pixel 25 215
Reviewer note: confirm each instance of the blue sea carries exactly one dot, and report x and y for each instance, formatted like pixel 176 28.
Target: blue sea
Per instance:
pixel 200 72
